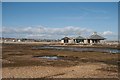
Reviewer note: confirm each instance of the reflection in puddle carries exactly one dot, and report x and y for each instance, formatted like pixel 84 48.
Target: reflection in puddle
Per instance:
pixel 48 57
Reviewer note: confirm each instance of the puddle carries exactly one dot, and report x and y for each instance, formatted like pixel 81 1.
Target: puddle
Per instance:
pixel 108 50
pixel 49 57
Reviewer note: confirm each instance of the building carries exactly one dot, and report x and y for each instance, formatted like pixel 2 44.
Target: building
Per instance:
pixel 94 38
pixel 79 39
pixel 65 40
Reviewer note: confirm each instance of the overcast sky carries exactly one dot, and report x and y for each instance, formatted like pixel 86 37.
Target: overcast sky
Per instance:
pixel 55 20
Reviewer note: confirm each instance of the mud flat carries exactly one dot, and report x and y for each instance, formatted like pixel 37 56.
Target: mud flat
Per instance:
pixel 22 61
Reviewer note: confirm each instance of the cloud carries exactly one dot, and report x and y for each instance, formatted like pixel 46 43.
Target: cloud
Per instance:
pixel 95 10
pixel 110 35
pixel 43 32
pixel 107 33
pixel 46 32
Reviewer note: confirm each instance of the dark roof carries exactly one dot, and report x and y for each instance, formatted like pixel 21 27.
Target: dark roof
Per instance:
pixel 65 38
pixel 79 37
pixel 95 36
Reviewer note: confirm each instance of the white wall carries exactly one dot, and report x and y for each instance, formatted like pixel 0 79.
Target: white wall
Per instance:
pixel 91 41
pixel 62 41
pixel 86 41
pixel 71 41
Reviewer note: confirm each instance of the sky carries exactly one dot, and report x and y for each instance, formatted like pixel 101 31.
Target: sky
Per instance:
pixel 54 20
pixel 60 0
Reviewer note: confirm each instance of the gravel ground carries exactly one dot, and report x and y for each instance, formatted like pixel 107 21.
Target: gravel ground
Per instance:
pixel 79 71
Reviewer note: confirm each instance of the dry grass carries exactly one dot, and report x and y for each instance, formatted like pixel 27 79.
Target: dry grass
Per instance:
pixel 22 55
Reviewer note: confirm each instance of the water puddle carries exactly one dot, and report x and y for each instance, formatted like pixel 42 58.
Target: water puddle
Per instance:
pixel 108 50
pixel 49 57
